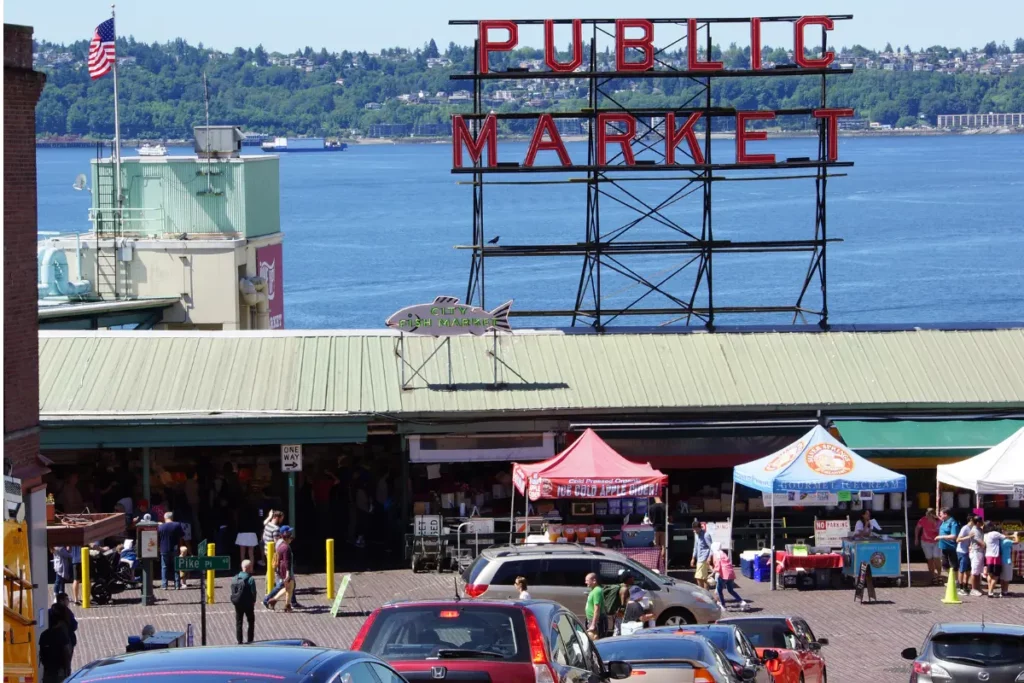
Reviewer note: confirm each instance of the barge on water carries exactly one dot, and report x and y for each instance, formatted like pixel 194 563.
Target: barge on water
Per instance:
pixel 303 145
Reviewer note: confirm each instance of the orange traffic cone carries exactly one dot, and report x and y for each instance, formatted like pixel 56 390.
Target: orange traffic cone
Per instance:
pixel 951 597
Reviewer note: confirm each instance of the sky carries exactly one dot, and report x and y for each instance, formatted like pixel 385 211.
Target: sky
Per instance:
pixel 375 24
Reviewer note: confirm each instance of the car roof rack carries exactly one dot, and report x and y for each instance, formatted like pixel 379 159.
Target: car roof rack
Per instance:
pixel 546 549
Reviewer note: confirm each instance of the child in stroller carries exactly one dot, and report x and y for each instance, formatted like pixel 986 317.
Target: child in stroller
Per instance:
pixel 129 562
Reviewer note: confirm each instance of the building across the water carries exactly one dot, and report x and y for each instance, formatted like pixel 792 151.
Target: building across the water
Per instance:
pixel 196 244
pixel 981 120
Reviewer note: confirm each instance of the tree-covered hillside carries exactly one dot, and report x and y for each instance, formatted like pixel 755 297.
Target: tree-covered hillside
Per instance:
pixel 321 93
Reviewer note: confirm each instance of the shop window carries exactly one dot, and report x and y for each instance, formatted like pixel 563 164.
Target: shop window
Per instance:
pixel 481 448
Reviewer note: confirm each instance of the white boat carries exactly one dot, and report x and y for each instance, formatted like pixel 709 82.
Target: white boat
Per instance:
pixel 148 150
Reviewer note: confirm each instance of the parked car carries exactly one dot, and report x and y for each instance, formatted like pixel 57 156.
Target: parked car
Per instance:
pixel 241 664
pixel 728 638
pixel 485 641
pixel 670 658
pixel 799 652
pixel 293 642
pixel 969 652
pixel 556 572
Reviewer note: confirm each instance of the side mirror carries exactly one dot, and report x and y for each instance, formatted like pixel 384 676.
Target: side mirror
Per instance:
pixel 618 670
pixel 769 655
pixel 823 641
pixel 749 673
pixel 814 647
pixel 909 653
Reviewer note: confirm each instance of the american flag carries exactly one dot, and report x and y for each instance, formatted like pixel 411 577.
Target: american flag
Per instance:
pixel 101 49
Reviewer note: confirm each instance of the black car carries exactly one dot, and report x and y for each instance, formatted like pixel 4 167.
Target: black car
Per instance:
pixel 241 664
pixel 986 653
pixel 732 642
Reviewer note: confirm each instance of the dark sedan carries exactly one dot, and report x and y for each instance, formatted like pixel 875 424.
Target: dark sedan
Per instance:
pixel 952 653
pixel 241 664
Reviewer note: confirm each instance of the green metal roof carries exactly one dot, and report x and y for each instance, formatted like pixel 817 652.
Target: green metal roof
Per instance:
pixel 937 435
pixel 112 374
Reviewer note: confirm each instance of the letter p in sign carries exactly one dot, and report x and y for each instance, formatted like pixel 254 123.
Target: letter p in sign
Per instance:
pixel 291 457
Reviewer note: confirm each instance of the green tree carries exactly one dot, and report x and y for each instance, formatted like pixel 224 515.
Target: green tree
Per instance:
pixel 430 51
pixel 1018 46
pixel 990 49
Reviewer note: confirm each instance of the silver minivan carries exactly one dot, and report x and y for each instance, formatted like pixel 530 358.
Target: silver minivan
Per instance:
pixel 556 571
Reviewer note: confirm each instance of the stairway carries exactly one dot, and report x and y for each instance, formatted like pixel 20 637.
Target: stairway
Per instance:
pixel 107 231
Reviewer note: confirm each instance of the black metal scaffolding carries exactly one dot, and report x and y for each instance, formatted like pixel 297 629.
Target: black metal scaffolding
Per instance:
pixel 684 294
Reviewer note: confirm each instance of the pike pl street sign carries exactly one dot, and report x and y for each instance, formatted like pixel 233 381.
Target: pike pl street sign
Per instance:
pixel 202 564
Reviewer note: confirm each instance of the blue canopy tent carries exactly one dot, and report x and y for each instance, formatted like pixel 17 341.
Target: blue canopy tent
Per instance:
pixel 817 462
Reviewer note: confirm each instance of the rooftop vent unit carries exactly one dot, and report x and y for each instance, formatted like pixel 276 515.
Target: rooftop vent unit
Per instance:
pixel 218 142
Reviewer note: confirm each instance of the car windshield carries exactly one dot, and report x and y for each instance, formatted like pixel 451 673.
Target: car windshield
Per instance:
pixel 771 633
pixel 463 631
pixel 653 648
pixel 979 649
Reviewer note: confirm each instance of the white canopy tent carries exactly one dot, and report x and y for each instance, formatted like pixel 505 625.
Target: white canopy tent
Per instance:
pixel 997 471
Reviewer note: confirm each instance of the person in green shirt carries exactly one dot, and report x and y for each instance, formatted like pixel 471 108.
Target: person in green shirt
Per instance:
pixel 595 608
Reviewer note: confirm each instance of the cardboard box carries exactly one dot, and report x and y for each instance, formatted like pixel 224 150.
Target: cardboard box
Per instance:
pixel 755 505
pixel 422 508
pixel 712 505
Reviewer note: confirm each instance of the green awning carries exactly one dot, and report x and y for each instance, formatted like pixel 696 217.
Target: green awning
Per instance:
pixel 938 435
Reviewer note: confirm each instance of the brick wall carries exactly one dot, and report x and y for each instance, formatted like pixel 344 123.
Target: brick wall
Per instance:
pixel 22 87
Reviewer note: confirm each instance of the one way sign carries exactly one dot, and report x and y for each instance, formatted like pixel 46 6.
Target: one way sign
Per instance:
pixel 291 457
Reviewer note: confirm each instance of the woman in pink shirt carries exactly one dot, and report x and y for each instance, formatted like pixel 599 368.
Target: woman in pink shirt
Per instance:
pixel 924 535
pixel 725 575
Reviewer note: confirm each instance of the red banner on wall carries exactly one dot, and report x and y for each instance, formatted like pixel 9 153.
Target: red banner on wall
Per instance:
pixel 270 266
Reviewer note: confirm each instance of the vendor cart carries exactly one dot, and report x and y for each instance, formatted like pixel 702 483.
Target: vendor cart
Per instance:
pixel 882 555
pixel 430 543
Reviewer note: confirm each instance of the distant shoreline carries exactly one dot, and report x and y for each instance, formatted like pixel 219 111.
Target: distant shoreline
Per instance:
pixel 50 143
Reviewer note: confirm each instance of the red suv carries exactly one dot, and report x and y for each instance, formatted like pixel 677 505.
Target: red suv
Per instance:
pixel 481 641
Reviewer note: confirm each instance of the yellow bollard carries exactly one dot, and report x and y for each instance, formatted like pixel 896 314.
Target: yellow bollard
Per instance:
pixel 330 568
pixel 270 567
pixel 86 582
pixel 211 550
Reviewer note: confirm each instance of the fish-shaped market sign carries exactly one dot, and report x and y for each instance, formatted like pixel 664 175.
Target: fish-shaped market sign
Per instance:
pixel 446 317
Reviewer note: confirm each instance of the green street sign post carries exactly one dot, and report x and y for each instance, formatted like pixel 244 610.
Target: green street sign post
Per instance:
pixel 202 563
pixel 220 563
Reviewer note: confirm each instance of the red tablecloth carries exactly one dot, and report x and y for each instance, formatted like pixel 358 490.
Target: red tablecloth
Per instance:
pixel 652 558
pixel 784 561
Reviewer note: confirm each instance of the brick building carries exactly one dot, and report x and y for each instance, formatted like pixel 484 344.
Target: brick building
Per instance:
pixel 22 87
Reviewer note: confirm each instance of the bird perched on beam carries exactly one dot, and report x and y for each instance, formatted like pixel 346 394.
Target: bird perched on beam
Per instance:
pixel 494 240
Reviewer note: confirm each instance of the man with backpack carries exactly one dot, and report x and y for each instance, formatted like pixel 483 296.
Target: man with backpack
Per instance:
pixel 597 619
pixel 243 597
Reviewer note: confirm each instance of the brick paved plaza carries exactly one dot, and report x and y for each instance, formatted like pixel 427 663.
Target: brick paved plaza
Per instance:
pixel 865 640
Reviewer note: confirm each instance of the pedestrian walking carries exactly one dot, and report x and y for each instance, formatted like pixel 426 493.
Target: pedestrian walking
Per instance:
pixel 726 575
pixel 635 615
pixel 55 646
pixel 948 530
pixel 597 621
pixel 169 534
pixel 701 554
pixel 243 597
pixel 271 530
pixel 520 583
pixel 72 623
pixel 925 534
pixel 63 570
pixel 76 566
pixel 285 573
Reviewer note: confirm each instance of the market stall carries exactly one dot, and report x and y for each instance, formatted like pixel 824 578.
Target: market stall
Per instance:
pixel 818 467
pixel 591 471
pixel 999 471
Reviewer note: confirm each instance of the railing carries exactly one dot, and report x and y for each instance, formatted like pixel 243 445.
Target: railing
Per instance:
pixel 134 222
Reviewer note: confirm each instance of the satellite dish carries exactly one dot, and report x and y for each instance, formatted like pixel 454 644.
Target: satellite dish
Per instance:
pixel 80 181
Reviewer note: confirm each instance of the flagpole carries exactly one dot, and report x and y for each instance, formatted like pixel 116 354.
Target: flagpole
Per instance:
pixel 117 131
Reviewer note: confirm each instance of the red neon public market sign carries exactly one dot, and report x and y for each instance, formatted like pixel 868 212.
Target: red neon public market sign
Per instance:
pixel 619 128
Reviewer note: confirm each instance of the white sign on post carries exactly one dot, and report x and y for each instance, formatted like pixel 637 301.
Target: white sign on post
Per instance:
pixel 721 532
pixel 831 532
pixel 1018 491
pixel 291 457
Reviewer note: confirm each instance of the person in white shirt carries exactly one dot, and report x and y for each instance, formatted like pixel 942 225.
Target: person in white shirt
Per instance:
pixel 993 556
pixel 521 587
pixel 866 526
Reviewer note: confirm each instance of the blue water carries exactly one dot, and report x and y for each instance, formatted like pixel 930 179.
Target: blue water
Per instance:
pixel 933 231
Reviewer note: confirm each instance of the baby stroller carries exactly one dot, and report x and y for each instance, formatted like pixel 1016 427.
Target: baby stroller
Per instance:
pixel 108 575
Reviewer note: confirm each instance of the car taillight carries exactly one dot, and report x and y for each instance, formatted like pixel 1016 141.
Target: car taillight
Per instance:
pixel 542 672
pixel 702 676
pixel 361 636
pixel 737 669
pixel 933 670
pixel 637 672
pixel 774 666
pixel 475 590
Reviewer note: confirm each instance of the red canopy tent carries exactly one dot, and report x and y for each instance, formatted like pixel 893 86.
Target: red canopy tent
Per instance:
pixel 586 470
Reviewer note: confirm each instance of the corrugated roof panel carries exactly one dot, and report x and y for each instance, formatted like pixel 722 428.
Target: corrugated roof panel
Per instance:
pixel 542 371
